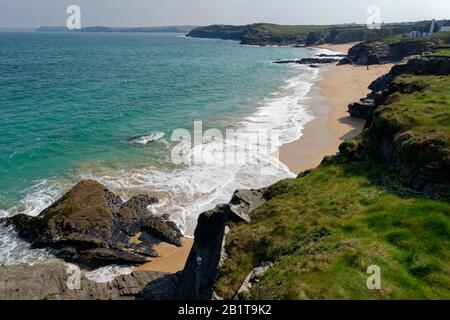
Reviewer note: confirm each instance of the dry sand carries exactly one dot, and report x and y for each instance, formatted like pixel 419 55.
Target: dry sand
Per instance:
pixel 339 86
pixel 171 258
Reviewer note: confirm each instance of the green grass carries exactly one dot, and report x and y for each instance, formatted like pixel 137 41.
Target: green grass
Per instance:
pixel 419 122
pixel 325 228
pixel 442 52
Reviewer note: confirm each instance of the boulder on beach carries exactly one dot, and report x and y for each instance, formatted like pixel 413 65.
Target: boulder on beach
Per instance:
pixel 92 226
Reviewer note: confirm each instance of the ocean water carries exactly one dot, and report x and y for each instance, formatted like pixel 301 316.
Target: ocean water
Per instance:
pixel 70 103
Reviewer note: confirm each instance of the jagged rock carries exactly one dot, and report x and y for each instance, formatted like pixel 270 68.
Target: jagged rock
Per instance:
pixel 252 278
pixel 208 251
pixel 244 202
pixel 163 228
pixel 91 226
pixel 52 279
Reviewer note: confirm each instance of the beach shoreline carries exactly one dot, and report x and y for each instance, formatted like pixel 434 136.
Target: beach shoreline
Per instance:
pixel 337 87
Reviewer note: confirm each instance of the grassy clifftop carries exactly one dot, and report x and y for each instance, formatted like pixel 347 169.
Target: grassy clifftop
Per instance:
pixel 323 229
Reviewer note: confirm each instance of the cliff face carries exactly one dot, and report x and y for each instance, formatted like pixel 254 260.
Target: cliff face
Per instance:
pixel 264 34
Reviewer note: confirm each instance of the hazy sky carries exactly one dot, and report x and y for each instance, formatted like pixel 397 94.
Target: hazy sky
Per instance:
pixel 33 13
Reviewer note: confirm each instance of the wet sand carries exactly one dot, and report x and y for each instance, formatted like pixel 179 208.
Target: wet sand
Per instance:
pixel 172 258
pixel 329 99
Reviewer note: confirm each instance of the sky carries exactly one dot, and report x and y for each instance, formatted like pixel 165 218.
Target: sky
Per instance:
pixel 134 13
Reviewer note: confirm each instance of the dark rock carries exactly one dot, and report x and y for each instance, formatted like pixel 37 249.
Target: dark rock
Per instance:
pixel 244 202
pixel 208 252
pixel 54 280
pixel 344 61
pixel 164 229
pixel 322 55
pixel 363 110
pixel 374 52
pixel 91 226
pixel 199 274
pixel 308 61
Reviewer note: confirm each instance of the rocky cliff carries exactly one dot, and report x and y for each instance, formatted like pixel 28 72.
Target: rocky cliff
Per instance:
pixel 264 34
pixel 380 52
pixel 397 136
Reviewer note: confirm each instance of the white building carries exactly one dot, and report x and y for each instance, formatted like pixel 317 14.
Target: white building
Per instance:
pixel 426 31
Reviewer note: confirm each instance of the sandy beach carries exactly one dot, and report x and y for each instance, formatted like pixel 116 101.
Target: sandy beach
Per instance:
pixel 171 258
pixel 338 87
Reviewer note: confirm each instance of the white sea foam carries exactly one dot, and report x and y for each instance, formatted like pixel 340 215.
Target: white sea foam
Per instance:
pixel 146 139
pixel 107 274
pixel 186 191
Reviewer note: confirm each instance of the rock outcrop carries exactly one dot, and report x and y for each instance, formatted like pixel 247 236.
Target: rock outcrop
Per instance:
pixel 253 277
pixel 385 139
pixel 377 52
pixel 362 109
pixel 308 61
pixel 54 280
pixel 207 254
pixel 91 226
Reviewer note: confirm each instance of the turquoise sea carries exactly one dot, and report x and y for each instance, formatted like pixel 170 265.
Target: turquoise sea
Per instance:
pixel 70 102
